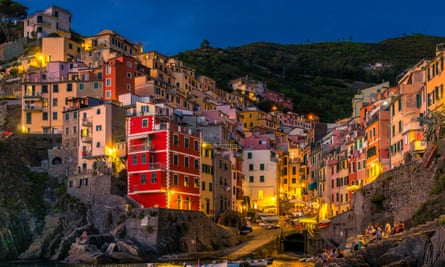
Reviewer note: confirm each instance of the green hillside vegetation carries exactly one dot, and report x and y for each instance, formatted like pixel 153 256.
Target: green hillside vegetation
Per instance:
pixel 318 77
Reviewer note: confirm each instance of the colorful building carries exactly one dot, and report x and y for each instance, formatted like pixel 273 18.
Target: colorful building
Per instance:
pixel 51 20
pixel 163 163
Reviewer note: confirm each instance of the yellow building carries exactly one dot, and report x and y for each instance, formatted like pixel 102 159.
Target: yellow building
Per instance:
pixel 207 205
pixel 106 45
pixel 253 117
pixel 45 92
pixel 435 80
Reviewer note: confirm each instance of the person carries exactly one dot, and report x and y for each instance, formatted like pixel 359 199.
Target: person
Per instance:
pixel 83 237
pixel 370 230
pixel 378 234
pixel 401 226
pixel 388 230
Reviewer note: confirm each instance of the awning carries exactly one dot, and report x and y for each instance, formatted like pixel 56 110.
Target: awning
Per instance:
pixel 312 186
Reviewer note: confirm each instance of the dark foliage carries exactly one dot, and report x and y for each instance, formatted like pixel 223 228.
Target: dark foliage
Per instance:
pixel 318 77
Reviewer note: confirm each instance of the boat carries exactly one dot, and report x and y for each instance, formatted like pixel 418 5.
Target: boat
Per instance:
pixel 213 264
pixel 257 262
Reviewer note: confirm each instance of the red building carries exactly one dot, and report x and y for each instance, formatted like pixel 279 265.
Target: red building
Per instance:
pixel 163 164
pixel 119 74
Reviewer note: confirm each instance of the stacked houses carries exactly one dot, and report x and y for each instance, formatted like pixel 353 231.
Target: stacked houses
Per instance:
pixel 182 143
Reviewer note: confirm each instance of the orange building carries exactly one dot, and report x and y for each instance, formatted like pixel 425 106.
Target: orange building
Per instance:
pixel 119 76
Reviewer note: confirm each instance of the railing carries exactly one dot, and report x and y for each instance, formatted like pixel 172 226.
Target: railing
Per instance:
pixel 139 148
pixel 86 154
pixel 33 108
pixel 156 165
pixel 36 95
pixel 87 139
pixel 86 123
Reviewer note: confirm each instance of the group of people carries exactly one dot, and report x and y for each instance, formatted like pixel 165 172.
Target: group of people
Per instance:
pixel 379 232
pixel 328 255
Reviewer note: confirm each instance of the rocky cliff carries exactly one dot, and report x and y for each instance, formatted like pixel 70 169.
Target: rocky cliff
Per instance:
pixel 413 194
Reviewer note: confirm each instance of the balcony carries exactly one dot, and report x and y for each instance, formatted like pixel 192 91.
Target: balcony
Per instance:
pixel 32 108
pixel 418 146
pixel 140 148
pixel 87 139
pixel 156 165
pixel 34 96
pixel 87 123
pixel 86 154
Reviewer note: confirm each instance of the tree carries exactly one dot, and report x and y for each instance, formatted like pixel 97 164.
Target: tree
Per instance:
pixel 205 44
pixel 433 123
pixel 10 12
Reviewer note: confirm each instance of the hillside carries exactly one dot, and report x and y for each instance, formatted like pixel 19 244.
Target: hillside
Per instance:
pixel 314 75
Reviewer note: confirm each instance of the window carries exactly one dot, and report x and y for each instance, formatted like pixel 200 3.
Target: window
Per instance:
pixel 67 131
pixel 80 86
pixel 261 178
pixel 134 160
pixel 186 162
pixel 97 144
pixel 98 111
pixel 108 82
pixel 55 88
pixel 250 167
pixel 108 69
pixel 196 145
pixel 175 179
pixel 251 179
pixel 196 182
pixel 176 139
pixel 262 167
pixel 129 75
pixel 69 87
pixel 153 178
pixel 203 186
pixel 144 158
pixel 128 87
pixel 75 115
pixel 175 160
pixel 418 100
pixel 44 116
pixel 196 164
pixel 186 142
pixel 108 94
pixel 210 187
pixel 96 85
pixel 55 102
pixel 55 116
pixel 186 181
pixel 98 128
pixel 249 155
pixel 44 88
pixel 144 123
pixel 143 178
pixel 400 126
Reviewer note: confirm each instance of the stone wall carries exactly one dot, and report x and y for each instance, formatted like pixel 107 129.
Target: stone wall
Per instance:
pixel 394 196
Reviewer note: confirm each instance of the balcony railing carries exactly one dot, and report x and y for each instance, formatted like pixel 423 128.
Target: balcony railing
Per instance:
pixel 87 123
pixel 33 108
pixel 140 148
pixel 33 96
pixel 87 139
pixel 86 154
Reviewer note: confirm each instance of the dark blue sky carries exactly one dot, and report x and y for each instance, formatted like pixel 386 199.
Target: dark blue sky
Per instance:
pixel 172 26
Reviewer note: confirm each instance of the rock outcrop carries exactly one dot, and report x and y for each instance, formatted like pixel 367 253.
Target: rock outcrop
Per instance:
pixel 421 246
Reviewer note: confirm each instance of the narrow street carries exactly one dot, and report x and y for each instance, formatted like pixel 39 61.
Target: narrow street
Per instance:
pixel 257 238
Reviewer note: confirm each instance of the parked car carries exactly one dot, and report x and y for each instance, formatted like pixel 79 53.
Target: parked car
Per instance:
pixel 245 229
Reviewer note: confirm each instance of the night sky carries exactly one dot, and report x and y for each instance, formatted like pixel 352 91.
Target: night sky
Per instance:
pixel 173 26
